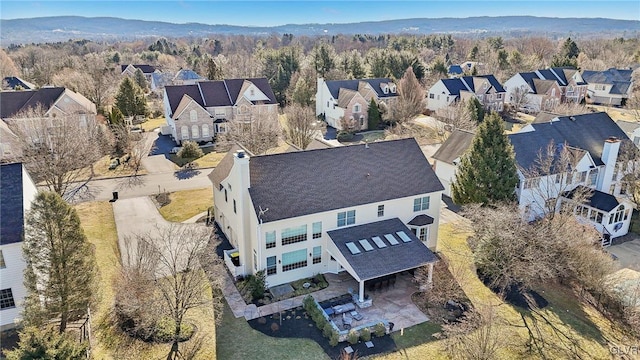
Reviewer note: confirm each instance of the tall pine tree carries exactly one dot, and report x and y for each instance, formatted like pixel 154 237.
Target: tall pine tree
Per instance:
pixel 61 268
pixel 487 172
pixel 130 100
pixel 373 115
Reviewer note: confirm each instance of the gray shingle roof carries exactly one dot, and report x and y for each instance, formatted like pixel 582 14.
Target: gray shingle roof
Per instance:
pixel 146 69
pixel 421 220
pixel 334 86
pixel 313 181
pixel 455 145
pixel 216 93
pixel 13 102
pixel 628 126
pixel 587 131
pixel 14 81
pixel 598 199
pixel 381 261
pixel 187 74
pixel 11 204
pixel 454 86
pixel 619 78
pixel 455 69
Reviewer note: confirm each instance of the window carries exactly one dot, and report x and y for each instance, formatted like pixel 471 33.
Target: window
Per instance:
pixel 619 215
pixel 420 204
pixel 558 178
pixel 530 183
pixel 346 218
pixel 498 96
pixel 317 254
pixel 580 177
pixel 193 116
pixel 221 128
pixel 421 233
pixel 316 228
pixel 553 92
pixel 6 299
pixel 385 89
pixel 361 121
pixel 234 207
pixel 252 92
pixel 184 132
pixel 272 268
pixel 2 263
pixel 205 130
pixel 593 177
pixel 255 260
pixel 270 239
pixel 226 198
pixel 600 87
pixel 328 105
pixel 294 235
pixel 380 210
pixel 356 108
pixel 431 96
pixel 220 112
pixel 294 260
pixel 195 131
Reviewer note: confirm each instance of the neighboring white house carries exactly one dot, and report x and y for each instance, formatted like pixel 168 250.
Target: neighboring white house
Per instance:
pixel 632 129
pixel 329 210
pixel 543 89
pixel 608 87
pixel 197 112
pixel 350 99
pixel 593 140
pixel 447 157
pixel 485 88
pixel 17 191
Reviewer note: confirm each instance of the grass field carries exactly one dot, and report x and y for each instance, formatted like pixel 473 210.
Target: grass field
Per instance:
pixel 108 342
pixel 211 159
pixel 151 124
pixel 237 340
pixel 187 204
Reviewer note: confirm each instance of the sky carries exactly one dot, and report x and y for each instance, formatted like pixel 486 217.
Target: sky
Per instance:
pixel 272 13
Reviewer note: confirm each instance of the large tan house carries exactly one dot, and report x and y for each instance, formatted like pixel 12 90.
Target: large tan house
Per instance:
pixel 198 112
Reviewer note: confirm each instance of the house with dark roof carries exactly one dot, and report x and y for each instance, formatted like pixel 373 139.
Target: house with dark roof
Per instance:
pixel 584 152
pixel 301 213
pixel 632 129
pixel 183 77
pixel 147 70
pixel 447 157
pixel 350 99
pixel 608 87
pixel 17 191
pixel 16 83
pixel 544 89
pixel 199 111
pixel 486 88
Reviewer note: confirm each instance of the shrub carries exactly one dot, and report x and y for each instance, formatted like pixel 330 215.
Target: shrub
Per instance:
pixel 365 334
pixel 166 327
pixel 275 327
pixel 308 302
pixel 352 337
pixel 257 284
pixel 333 338
pixel 344 136
pixel 190 150
pixel 380 330
pixel 328 329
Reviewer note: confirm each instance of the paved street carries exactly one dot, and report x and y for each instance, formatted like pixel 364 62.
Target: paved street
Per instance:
pixel 143 185
pixel 628 254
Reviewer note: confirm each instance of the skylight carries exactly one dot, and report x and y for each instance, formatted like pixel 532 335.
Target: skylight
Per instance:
pixel 365 245
pixel 379 242
pixel 391 239
pixel 353 248
pixel 403 236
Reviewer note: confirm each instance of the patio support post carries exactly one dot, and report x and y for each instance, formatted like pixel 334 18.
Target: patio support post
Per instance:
pixel 361 292
pixel 430 275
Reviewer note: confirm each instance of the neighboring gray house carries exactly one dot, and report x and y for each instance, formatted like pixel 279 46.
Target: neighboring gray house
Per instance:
pixel 608 87
pixel 486 88
pixel 183 77
pixel 632 129
pixel 147 70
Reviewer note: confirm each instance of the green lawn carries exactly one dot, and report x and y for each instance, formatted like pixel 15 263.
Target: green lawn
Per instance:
pixel 416 335
pixel 235 339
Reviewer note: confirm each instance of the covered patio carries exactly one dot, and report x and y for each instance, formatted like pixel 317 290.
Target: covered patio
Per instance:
pixel 374 253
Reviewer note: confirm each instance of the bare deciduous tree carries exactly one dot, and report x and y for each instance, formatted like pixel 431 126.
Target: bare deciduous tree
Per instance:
pixel 410 98
pixel 177 267
pixel 520 98
pixel 629 162
pixel 301 125
pixel 476 337
pixel 457 115
pixel 258 134
pixel 58 149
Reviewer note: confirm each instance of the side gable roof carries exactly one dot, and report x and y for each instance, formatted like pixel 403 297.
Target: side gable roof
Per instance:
pixel 455 69
pixel 543 86
pixel 187 74
pixel 586 131
pixel 222 170
pixel 11 204
pixel 455 145
pixel 214 93
pixel 235 85
pixel 345 96
pixel 334 86
pixel 146 69
pixel 598 199
pixel 295 184
pixel 176 92
pixel 13 102
pixel 454 86
pixel 14 81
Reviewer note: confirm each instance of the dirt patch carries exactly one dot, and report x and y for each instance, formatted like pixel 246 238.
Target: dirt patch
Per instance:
pixel 296 323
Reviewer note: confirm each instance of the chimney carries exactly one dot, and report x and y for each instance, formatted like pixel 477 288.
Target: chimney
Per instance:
pixel 609 158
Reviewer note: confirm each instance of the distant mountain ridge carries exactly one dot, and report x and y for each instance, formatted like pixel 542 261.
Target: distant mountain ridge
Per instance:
pixel 63 28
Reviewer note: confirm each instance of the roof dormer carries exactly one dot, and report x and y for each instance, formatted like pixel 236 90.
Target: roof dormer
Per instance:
pixel 384 87
pixel 393 88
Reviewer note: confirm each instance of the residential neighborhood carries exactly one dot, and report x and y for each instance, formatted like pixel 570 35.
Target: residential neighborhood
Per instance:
pixel 274 195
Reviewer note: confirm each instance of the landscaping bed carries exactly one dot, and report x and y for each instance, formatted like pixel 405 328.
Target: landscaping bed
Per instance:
pixel 245 287
pixel 296 323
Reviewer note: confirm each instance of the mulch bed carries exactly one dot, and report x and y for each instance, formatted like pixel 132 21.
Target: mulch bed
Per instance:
pixel 517 296
pixel 296 325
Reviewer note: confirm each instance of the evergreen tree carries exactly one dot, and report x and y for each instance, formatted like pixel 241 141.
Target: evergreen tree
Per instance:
pixel 130 100
pixel 373 115
pixel 47 344
pixel 475 110
pixel 570 49
pixel 473 55
pixel 323 59
pixel 356 68
pixel 141 81
pixel 214 71
pixel 116 58
pixel 487 172
pixel 61 268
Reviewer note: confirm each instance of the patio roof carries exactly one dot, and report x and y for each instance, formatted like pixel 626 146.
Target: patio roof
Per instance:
pixel 381 248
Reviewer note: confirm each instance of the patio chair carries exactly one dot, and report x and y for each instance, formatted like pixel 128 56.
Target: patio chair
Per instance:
pixel 357 316
pixel 347 320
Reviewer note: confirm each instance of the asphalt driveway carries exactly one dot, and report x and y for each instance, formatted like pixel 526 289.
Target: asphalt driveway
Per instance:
pixel 628 254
